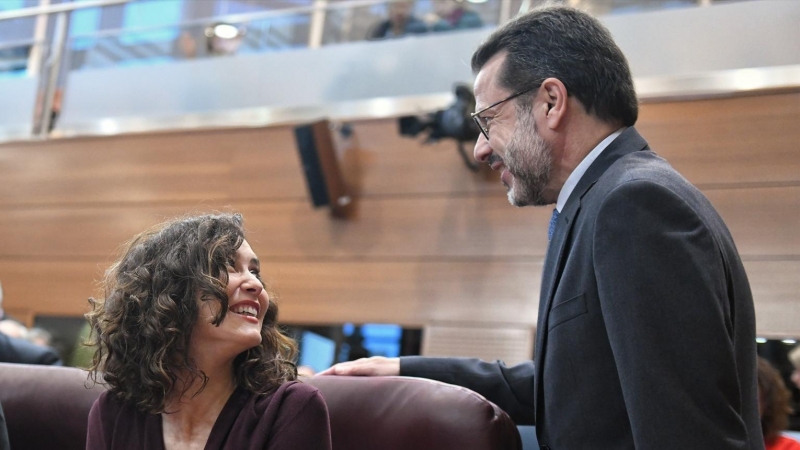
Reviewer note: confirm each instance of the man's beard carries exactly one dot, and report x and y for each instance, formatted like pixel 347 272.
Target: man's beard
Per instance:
pixel 529 159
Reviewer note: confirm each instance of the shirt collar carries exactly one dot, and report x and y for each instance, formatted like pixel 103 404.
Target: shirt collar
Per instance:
pixel 577 174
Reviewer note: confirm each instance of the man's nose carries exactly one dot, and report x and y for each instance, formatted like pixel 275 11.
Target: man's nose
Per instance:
pixel 482 150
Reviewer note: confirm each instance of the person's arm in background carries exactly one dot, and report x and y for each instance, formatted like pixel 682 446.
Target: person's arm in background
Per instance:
pixel 20 351
pixel 510 388
pixel 378 31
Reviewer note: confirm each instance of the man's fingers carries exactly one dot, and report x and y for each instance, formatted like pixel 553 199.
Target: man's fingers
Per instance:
pixel 375 366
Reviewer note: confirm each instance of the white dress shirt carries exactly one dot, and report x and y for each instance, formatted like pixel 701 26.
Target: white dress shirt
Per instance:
pixel 577 174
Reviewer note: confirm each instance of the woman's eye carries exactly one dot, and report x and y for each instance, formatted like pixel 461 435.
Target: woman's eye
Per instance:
pixel 256 272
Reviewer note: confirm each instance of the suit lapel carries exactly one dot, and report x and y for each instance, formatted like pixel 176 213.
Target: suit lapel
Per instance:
pixel 627 142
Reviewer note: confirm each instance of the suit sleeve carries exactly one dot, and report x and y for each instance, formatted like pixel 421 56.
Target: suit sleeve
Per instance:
pixel 20 351
pixel 510 388
pixel 661 282
pixel 308 426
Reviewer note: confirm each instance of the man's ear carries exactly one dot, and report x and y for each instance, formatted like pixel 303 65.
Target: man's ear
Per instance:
pixel 553 97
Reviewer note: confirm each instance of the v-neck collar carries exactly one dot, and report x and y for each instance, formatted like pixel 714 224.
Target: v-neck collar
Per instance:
pixel 219 431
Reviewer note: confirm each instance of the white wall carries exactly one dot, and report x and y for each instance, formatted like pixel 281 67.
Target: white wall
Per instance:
pixel 17 98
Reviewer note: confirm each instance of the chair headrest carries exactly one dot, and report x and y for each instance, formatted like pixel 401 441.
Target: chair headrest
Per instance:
pixel 399 413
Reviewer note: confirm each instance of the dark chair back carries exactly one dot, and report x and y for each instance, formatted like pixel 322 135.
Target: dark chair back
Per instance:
pixel 401 413
pixel 48 407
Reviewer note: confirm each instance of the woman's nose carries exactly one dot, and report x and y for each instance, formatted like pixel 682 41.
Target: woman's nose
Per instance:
pixel 253 284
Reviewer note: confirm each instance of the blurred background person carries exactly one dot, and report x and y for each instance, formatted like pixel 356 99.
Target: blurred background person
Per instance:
pixel 20 351
pixel 453 15
pixel 14 329
pixel 187 45
pixel 794 357
pixel 20 345
pixel 773 407
pixel 401 21
pixel 2 312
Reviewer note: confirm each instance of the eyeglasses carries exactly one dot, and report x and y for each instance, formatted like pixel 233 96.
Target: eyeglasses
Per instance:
pixel 483 123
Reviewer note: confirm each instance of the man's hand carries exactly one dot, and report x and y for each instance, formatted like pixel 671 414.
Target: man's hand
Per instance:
pixel 377 366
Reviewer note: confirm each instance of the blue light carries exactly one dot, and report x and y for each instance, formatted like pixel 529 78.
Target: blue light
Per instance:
pixel 8 5
pixel 152 13
pixel 382 339
pixel 84 21
pixel 316 351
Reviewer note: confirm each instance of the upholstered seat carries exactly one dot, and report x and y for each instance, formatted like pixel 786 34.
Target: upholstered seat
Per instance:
pixel 47 408
pixel 401 413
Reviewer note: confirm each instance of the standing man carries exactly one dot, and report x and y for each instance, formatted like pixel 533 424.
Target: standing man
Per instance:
pixel 646 327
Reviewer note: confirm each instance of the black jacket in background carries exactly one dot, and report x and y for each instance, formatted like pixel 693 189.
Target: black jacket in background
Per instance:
pixel 14 350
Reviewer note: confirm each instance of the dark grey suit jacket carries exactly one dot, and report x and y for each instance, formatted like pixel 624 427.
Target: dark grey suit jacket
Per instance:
pixel 20 351
pixel 646 327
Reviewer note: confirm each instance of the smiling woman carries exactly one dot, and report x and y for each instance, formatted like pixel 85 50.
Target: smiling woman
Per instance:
pixel 187 344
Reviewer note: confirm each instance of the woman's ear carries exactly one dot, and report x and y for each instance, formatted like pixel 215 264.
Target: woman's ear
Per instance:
pixel 553 95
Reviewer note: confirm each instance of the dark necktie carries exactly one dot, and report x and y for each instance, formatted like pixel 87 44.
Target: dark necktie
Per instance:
pixel 553 221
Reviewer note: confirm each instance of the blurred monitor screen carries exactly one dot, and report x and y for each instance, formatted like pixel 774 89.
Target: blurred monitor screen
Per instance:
pixel 316 351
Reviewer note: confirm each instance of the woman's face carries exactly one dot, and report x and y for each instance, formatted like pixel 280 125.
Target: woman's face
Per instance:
pixel 247 305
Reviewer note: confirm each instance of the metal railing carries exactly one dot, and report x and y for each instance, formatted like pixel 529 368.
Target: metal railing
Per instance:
pixel 51 66
pixel 322 21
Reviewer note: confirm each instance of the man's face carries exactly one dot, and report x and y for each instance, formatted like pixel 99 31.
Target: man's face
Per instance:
pixel 514 146
pixel 528 159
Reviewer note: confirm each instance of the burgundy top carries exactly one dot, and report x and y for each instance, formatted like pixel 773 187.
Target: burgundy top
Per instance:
pixel 292 417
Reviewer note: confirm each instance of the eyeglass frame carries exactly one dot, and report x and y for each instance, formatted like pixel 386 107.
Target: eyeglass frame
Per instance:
pixel 476 116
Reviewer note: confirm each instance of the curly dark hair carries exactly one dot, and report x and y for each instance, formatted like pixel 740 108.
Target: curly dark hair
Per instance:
pixel 142 328
pixel 773 397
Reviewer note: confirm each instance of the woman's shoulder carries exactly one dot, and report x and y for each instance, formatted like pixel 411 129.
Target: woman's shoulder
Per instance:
pixel 108 405
pixel 294 415
pixel 293 392
pixel 290 398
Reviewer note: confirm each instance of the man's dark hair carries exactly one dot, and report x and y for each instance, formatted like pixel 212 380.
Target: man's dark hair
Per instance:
pixel 570 45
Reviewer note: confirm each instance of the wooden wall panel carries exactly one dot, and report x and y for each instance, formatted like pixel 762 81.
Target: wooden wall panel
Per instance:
pixel 49 287
pixel 256 164
pixel 163 167
pixel 410 293
pixel 396 227
pixel 776 292
pixel 763 221
pixel 406 292
pixel 511 345
pixel 713 142
pixel 431 242
pixel 751 139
